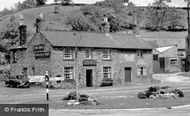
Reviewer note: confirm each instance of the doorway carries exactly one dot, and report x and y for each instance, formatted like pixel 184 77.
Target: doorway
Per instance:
pixel 127 74
pixel 89 78
pixel 183 62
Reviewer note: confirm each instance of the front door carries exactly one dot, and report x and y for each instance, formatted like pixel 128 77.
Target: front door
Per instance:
pixel 183 62
pixel 127 74
pixel 162 64
pixel 89 78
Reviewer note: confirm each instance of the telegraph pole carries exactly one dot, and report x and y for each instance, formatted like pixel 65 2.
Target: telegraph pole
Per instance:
pixel 76 72
pixel 76 66
pixel 188 39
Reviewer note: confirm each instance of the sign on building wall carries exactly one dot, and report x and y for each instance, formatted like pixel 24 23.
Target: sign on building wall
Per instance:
pixel 89 62
pixel 129 57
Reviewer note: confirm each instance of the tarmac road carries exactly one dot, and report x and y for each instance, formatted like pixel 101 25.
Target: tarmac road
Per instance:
pixel 183 111
pixel 15 95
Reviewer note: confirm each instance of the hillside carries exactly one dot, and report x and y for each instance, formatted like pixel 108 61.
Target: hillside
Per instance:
pixel 56 20
pixel 52 20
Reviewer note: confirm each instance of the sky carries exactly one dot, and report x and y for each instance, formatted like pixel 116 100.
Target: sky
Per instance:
pixel 10 3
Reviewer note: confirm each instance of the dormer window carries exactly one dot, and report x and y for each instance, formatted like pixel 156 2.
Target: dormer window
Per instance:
pixel 68 53
pixel 106 55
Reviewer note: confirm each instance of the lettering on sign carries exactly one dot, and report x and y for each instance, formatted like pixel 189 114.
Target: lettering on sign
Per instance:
pixel 89 62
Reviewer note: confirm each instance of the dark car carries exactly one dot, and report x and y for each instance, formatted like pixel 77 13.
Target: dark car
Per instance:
pixel 18 82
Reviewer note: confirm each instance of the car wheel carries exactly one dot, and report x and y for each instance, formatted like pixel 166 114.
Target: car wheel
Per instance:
pixel 17 86
pixel 7 85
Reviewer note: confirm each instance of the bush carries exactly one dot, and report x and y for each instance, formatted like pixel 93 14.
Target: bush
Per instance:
pixel 178 92
pixel 141 95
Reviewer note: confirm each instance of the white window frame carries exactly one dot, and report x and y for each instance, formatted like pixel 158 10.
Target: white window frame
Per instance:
pixel 142 71
pixel 177 60
pixel 106 56
pixel 88 53
pixel 70 72
pixel 68 55
pixel 108 73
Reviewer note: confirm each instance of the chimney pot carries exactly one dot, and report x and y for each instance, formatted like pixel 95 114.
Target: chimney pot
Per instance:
pixel 39 22
pixel 106 25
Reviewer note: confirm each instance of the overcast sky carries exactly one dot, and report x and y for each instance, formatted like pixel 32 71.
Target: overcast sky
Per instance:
pixel 10 3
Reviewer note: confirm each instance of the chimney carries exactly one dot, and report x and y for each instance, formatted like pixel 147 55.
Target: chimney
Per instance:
pixel 106 25
pixel 22 31
pixel 39 23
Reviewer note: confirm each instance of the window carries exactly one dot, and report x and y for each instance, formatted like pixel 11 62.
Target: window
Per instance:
pixel 38 47
pixel 142 71
pixel 68 53
pixel 173 61
pixel 140 53
pixel 88 54
pixel 68 72
pixel 106 54
pixel 155 57
pixel 14 56
pixel 107 72
pixel 181 54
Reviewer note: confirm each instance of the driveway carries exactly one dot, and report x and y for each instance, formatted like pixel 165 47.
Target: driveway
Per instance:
pixel 172 78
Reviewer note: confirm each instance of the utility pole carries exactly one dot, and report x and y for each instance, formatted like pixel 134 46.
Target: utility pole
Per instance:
pixel 188 39
pixel 76 66
pixel 76 71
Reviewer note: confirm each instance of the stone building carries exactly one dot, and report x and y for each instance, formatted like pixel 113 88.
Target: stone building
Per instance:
pixel 86 55
pixel 171 47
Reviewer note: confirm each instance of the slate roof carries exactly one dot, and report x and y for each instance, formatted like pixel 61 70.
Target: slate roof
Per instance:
pixel 165 38
pixel 96 40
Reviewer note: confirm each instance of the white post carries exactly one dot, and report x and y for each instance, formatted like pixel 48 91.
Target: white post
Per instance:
pixel 47 85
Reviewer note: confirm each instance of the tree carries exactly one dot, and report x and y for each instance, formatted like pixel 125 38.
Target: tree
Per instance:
pixel 66 2
pixel 173 22
pixel 6 11
pixel 25 4
pixel 80 23
pixel 56 1
pixel 41 2
pixel 116 5
pixel 159 16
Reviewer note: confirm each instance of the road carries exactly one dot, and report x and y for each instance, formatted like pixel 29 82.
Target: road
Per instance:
pixel 184 111
pixel 17 95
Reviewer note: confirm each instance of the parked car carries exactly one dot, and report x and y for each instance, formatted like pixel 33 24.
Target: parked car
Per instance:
pixel 17 82
pixel 106 82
